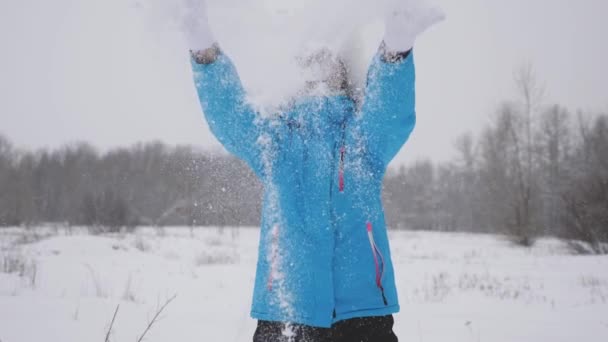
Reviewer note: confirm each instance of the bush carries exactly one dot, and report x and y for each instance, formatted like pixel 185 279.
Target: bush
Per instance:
pixel 107 212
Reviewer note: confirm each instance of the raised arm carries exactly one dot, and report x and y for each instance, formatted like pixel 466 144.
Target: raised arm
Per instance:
pixel 389 107
pixel 388 111
pixel 222 98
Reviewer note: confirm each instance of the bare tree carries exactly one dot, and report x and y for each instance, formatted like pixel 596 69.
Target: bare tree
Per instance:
pixel 554 148
pixel 520 125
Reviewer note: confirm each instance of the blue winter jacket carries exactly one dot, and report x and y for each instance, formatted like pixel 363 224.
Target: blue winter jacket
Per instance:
pixel 324 253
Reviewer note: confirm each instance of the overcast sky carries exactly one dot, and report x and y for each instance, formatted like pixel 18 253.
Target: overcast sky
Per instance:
pixel 99 72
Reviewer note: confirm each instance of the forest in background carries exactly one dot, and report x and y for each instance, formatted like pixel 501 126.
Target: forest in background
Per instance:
pixel 533 170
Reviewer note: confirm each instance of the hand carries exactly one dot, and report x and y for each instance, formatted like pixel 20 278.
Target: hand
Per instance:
pixel 407 20
pixel 195 25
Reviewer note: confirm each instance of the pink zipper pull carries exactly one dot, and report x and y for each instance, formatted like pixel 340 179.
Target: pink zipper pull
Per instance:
pixel 341 170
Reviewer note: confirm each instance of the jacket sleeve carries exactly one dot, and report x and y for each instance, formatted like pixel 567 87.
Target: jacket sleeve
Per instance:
pixel 389 109
pixel 231 119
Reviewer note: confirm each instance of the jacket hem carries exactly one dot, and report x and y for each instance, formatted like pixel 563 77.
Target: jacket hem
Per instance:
pixel 313 322
pixel 327 323
pixel 384 311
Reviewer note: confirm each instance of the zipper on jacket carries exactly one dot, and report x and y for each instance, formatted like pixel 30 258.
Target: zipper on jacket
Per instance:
pixel 341 169
pixel 342 157
pixel 378 261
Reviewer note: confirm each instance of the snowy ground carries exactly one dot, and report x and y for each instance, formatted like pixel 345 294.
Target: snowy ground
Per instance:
pixel 453 287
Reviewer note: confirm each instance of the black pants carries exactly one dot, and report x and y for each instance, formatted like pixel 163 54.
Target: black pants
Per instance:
pixel 365 329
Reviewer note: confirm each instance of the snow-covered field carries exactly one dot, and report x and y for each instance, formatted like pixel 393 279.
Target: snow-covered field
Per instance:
pixel 62 287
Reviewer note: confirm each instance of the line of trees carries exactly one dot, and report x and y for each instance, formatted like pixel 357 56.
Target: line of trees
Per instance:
pixel 147 184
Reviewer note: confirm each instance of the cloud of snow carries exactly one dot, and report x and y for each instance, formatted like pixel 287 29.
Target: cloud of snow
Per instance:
pixel 265 37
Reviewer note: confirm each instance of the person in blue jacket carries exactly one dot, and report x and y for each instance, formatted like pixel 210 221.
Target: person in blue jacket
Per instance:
pixel 324 270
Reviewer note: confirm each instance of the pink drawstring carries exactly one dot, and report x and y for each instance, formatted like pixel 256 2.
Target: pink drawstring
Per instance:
pixel 378 260
pixel 341 170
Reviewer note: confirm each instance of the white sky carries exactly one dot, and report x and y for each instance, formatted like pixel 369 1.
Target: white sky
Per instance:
pixel 101 71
